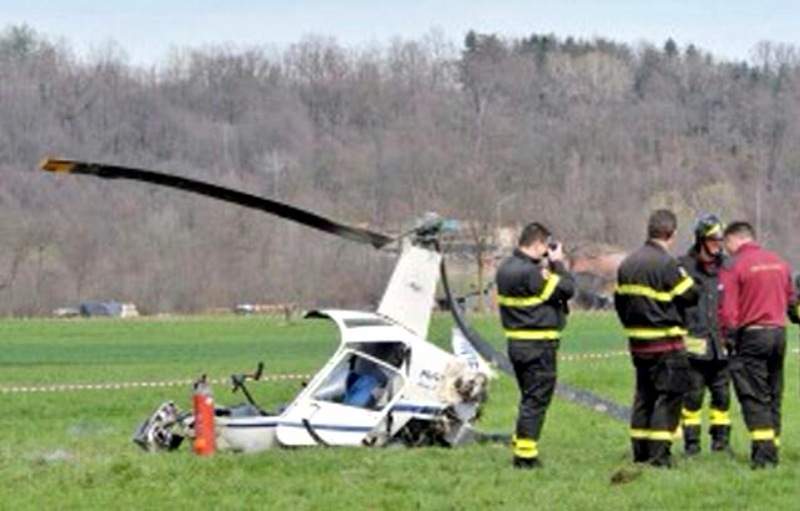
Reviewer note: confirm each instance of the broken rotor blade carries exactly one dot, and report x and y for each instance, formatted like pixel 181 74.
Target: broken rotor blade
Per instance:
pixel 273 207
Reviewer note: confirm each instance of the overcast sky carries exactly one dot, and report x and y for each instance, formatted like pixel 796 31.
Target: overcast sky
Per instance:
pixel 147 29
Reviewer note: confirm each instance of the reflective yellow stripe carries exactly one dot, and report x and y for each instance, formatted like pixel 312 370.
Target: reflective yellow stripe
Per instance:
pixel 719 417
pixel 637 290
pixel 762 434
pixel 518 301
pixel 655 333
pixel 529 301
pixel 649 292
pixel 690 418
pixel 550 286
pixel 525 448
pixel 714 229
pixel 777 441
pixel 533 335
pixel 649 434
pixel 696 345
pixel 682 286
pixel 662 435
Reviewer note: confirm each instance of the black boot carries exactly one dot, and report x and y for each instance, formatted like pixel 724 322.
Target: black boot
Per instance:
pixel 641 450
pixel 720 438
pixel 660 455
pixel 763 454
pixel 527 463
pixel 691 440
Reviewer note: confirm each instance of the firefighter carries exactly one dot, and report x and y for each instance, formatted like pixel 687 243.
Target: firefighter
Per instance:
pixel 533 287
pixel 651 294
pixel 757 292
pixel 708 360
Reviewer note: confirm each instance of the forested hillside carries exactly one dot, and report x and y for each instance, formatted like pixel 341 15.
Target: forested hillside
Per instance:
pixel 587 136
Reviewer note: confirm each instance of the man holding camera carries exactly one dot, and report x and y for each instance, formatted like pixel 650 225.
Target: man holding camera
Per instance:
pixel 533 287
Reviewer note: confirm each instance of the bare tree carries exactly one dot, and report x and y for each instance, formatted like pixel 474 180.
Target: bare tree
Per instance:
pixel 584 135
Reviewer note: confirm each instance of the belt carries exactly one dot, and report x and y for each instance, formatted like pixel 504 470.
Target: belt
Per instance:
pixel 749 328
pixel 657 346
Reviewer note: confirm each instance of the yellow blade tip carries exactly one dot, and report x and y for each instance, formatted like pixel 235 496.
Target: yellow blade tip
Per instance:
pixel 56 165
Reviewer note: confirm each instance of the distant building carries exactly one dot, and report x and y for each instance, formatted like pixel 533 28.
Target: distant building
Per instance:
pixel 595 268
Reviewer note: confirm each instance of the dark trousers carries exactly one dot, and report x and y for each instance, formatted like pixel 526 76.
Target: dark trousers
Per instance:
pixel 661 381
pixel 534 365
pixel 757 373
pixel 713 375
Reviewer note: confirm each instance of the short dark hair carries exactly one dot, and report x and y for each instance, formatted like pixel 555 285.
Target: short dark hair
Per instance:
pixel 662 224
pixel 533 232
pixel 740 228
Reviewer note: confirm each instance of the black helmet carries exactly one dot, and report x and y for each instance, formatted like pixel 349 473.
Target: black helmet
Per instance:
pixel 708 226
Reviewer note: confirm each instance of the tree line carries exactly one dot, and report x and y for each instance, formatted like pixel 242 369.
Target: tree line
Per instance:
pixel 584 135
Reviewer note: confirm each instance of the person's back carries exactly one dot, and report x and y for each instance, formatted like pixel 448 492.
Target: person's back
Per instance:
pixel 650 293
pixel 757 292
pixel 762 285
pixel 647 298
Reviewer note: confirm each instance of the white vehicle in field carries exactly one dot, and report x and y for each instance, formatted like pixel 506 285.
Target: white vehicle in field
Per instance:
pixel 386 383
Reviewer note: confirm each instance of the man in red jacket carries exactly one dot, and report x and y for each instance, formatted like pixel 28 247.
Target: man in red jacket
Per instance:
pixel 757 291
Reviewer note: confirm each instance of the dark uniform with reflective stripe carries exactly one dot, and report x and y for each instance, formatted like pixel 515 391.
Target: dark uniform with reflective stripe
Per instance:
pixel 650 298
pixel 756 293
pixel 533 312
pixel 708 359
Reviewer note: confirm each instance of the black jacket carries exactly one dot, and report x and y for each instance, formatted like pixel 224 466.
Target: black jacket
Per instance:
pixel 651 296
pixel 704 341
pixel 532 307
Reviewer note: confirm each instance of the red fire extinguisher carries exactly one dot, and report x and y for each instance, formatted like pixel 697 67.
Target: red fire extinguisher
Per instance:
pixel 204 443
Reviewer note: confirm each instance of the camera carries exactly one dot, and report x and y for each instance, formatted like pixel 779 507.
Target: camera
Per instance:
pixel 552 246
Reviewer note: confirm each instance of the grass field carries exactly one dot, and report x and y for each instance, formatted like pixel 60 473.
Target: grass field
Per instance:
pixel 72 450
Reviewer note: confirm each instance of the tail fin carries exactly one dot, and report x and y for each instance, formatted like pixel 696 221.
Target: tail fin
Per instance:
pixel 409 297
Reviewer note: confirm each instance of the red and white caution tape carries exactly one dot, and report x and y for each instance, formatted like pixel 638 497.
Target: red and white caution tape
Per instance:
pixel 611 354
pixel 593 356
pixel 74 387
pixel 70 387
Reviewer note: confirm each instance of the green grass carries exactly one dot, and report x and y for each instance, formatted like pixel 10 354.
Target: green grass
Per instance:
pixel 99 349
pixel 72 450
